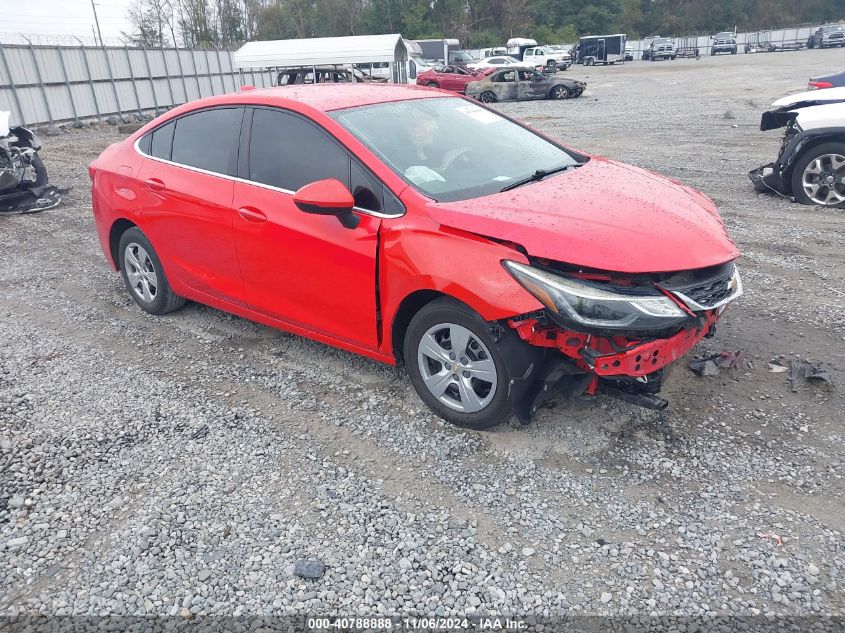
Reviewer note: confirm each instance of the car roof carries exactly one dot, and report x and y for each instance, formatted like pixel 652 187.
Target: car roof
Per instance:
pixel 322 97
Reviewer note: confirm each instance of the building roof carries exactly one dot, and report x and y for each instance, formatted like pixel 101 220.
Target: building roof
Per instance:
pixel 316 51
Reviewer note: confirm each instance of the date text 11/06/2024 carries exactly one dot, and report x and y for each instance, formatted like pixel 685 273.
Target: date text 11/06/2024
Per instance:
pixel 416 624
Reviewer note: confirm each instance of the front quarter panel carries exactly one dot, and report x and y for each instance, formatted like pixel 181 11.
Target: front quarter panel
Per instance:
pixel 456 263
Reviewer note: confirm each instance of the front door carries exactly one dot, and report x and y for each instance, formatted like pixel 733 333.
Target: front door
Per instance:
pixel 305 269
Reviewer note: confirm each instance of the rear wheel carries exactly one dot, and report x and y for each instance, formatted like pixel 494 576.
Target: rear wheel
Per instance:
pixel 455 366
pixel 144 275
pixel 819 176
pixel 488 97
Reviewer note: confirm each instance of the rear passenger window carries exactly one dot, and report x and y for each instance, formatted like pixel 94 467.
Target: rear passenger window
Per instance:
pixel 162 141
pixel 288 152
pixel 208 140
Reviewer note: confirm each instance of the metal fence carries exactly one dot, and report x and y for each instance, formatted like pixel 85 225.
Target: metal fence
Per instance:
pixel 51 84
pixel 777 37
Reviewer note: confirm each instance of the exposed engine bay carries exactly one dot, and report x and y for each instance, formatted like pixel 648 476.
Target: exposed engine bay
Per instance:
pixel 24 186
pixel 616 333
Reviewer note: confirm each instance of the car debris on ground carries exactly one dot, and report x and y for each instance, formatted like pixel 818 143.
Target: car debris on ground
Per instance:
pixel 713 364
pixel 804 369
pixel 24 187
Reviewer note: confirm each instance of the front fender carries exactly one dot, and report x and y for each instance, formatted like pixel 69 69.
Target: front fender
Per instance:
pixel 462 265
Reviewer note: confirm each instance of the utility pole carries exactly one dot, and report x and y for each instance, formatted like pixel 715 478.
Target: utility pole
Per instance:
pixel 97 21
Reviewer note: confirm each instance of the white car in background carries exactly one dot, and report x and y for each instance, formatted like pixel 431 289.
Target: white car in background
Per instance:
pixel 810 167
pixel 494 62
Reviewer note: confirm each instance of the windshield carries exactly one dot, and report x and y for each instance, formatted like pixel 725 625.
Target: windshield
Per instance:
pixel 834 29
pixel 450 149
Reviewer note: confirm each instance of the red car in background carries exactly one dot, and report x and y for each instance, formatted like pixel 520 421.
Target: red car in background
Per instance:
pixel 400 234
pixel 453 78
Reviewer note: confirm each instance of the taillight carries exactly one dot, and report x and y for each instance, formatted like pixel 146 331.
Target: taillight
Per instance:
pixel 819 85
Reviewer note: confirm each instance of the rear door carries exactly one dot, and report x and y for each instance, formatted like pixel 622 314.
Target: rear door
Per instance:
pixel 187 199
pixel 306 269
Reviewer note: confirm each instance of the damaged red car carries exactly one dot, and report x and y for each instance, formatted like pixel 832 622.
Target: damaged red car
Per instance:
pixel 383 220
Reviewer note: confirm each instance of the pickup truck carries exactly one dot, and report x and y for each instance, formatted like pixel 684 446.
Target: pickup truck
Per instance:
pixel 660 48
pixel 528 52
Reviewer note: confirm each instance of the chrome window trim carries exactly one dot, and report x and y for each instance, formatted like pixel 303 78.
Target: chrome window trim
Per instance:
pixel 376 214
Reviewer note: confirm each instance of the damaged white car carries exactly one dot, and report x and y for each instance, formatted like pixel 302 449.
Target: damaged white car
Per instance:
pixel 810 167
pixel 23 176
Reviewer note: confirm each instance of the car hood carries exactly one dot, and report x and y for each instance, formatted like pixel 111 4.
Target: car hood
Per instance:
pixel 603 215
pixel 810 98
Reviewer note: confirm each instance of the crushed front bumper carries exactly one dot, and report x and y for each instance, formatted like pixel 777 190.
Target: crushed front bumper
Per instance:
pixel 767 179
pixel 616 356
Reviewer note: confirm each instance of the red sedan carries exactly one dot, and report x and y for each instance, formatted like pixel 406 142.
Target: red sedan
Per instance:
pixel 322 211
pixel 453 78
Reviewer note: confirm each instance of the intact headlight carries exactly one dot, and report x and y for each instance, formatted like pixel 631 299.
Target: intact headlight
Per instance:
pixel 592 306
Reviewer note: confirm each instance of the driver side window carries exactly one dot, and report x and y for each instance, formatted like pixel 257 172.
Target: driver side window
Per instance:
pixel 276 158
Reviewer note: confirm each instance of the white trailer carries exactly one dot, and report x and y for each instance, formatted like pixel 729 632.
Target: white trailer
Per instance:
pixel 359 50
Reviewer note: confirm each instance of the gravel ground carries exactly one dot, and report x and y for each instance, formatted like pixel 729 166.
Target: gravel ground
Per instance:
pixel 190 464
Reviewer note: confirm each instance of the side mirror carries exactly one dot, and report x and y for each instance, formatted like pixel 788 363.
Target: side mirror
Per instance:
pixel 328 197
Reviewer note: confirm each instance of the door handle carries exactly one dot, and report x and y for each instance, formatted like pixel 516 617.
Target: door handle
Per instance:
pixel 154 183
pixel 252 215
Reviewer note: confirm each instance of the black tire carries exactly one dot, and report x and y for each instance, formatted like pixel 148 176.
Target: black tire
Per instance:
pixel 488 97
pixel 165 300
pixel 733 51
pixel 443 311
pixel 551 66
pixel 712 53
pixel 801 164
pixel 432 84
pixel 559 92
pixel 40 172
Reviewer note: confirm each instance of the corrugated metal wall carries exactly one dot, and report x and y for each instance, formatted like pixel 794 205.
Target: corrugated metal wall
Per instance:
pixel 48 84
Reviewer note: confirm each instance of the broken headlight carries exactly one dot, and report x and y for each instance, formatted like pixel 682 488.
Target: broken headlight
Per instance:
pixel 587 305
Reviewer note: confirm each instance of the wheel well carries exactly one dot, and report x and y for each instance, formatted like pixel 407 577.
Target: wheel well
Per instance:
pixel 116 232
pixel 410 305
pixel 815 141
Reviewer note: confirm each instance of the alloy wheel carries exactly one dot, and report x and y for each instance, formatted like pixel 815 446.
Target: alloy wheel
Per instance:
pixel 140 272
pixel 824 179
pixel 457 368
pixel 560 92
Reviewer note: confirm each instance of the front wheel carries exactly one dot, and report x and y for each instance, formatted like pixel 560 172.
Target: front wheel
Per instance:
pixel 819 176
pixel 488 97
pixel 432 84
pixel 144 275
pixel 551 67
pixel 560 92
pixel 455 366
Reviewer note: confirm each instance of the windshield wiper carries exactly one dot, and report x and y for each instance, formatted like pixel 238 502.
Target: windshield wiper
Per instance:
pixel 537 176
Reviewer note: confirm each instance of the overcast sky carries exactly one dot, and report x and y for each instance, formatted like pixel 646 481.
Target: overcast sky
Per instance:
pixel 63 17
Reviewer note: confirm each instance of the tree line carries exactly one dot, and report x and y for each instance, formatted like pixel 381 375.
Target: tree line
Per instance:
pixel 476 23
